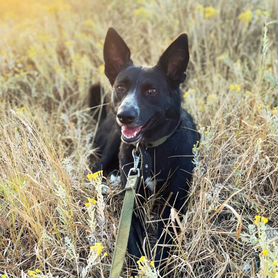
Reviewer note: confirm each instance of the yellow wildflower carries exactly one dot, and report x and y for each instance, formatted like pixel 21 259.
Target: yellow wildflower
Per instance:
pixel 142 260
pixel 235 88
pixel 257 220
pixel 260 219
pixel 142 13
pixel 32 274
pixel 38 271
pixel 264 220
pixel 246 17
pixel 275 264
pixel 4 276
pixel 97 248
pixel 96 177
pixel 265 253
pixel 210 12
pixel 90 202
pixel 152 264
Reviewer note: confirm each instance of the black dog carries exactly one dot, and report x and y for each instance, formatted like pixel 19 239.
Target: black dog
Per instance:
pixel 147 110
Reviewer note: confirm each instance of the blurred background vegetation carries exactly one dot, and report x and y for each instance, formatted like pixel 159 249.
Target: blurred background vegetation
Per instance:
pixel 53 220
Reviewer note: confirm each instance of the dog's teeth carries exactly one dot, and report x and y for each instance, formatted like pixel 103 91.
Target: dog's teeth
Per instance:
pixel 130 133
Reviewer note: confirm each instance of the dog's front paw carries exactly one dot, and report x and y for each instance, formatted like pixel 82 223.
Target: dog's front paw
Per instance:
pixel 115 179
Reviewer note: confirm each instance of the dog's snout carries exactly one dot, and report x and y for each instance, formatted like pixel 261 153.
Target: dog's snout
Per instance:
pixel 127 116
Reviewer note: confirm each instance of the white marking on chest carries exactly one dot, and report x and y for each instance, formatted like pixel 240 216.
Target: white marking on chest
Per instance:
pixel 115 180
pixel 150 183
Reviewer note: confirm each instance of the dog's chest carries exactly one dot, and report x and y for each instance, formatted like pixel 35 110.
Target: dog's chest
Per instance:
pixel 162 165
pixel 157 165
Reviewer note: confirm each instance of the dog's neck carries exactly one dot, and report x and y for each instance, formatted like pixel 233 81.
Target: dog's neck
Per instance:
pixel 163 139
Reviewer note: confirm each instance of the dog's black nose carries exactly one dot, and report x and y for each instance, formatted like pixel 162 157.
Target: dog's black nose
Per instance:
pixel 127 116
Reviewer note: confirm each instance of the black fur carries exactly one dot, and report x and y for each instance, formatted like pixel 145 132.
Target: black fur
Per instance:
pixel 108 136
pixel 147 106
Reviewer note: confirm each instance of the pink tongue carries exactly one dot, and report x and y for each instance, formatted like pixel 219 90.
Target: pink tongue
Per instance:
pixel 129 132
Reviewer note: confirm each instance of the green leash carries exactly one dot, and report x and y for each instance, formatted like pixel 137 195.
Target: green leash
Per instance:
pixel 133 179
pixel 125 219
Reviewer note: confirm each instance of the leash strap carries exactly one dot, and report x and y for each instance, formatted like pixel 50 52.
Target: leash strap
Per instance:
pixel 133 179
pixel 125 219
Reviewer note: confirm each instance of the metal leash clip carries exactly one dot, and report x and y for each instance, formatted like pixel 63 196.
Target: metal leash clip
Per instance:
pixel 136 161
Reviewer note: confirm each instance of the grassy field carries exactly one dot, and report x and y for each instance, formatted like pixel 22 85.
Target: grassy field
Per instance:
pixel 54 222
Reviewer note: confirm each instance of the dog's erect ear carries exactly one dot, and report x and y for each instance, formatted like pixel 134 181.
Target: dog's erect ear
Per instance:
pixel 175 59
pixel 116 55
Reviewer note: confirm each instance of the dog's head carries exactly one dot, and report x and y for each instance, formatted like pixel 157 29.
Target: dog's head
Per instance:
pixel 146 100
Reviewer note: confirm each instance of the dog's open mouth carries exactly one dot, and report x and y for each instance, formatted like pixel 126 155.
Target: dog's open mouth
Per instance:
pixel 131 134
pixel 135 134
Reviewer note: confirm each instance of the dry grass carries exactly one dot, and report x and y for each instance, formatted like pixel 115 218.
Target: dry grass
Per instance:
pixel 51 52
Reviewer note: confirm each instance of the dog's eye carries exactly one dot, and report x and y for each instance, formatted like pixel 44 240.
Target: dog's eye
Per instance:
pixel 120 89
pixel 151 92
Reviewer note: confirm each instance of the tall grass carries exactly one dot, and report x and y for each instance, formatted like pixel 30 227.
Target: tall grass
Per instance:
pixel 51 52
